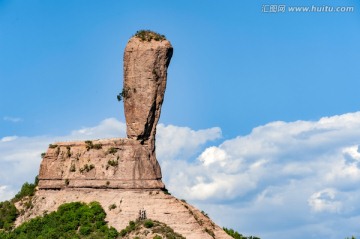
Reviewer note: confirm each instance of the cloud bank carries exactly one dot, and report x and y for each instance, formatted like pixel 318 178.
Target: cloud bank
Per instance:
pixel 284 179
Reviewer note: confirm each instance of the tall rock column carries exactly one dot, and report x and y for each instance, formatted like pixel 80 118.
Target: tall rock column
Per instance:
pixel 146 59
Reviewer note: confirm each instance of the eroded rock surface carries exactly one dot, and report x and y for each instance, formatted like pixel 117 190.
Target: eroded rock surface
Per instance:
pixel 134 164
pixel 145 75
pixel 109 163
pixel 123 172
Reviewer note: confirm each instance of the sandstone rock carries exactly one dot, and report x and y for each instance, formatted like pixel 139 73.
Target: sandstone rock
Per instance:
pixel 109 163
pixel 179 215
pixel 124 172
pixel 72 164
pixel 145 75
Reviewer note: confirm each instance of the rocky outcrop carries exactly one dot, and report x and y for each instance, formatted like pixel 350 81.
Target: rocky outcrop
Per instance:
pixel 123 175
pixel 122 206
pixel 109 163
pixel 145 74
pixel 120 163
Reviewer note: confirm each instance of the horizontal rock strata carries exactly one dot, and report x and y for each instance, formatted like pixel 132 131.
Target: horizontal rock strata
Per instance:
pixel 110 163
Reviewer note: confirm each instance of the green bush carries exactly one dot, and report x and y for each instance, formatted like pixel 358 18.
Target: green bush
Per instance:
pixel 132 224
pixel 113 163
pixel 131 227
pixel 166 191
pixel 27 190
pixel 8 211
pixel 236 235
pixel 205 214
pixel 157 228
pixel 85 230
pixel 72 168
pixel 112 206
pixel 148 223
pixel 8 214
pixel 97 146
pixel 210 232
pixel 71 220
pixel 112 150
pixel 89 144
pixel 68 152
pixel 148 35
pixel 87 168
pixel 124 94
pixel 165 231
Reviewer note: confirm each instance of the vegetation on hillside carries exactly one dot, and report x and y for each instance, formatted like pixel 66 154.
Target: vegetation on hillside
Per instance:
pixel 27 190
pixel 8 214
pixel 8 211
pixel 72 220
pixel 157 230
pixel 236 235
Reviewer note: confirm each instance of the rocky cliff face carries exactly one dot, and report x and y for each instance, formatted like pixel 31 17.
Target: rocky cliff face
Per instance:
pixel 145 74
pixel 123 172
pixel 119 163
pixel 109 163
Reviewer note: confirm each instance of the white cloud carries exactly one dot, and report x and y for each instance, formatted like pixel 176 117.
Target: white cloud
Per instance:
pixel 303 173
pixel 108 128
pixel 12 119
pixel 5 193
pixel 8 138
pixel 324 200
pixel 175 142
pixel 213 155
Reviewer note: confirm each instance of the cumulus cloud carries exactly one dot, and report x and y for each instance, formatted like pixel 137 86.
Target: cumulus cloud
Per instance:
pixel 212 155
pixel 303 173
pixel 175 142
pixel 108 128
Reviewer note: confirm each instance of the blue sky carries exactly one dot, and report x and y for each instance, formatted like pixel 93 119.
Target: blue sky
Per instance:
pixel 239 79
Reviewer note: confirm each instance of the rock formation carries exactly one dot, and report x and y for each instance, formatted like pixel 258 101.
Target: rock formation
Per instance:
pixel 179 215
pixel 108 163
pixel 124 172
pixel 145 73
pixel 119 163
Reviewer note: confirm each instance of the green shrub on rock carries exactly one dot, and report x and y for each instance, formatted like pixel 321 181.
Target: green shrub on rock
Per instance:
pixel 71 220
pixel 147 35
